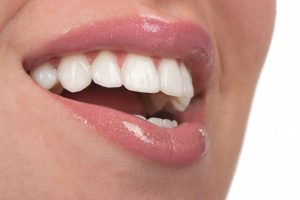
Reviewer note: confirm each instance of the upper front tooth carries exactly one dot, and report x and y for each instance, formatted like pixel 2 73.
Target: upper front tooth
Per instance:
pixel 74 73
pixel 105 70
pixel 45 75
pixel 139 74
pixel 188 88
pixel 170 78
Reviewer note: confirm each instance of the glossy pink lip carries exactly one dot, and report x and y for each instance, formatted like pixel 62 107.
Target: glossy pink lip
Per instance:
pixel 180 146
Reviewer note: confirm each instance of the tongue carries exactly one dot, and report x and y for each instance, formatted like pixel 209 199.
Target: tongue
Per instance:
pixel 116 98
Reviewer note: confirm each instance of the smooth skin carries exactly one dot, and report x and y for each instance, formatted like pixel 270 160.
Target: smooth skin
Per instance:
pixel 46 155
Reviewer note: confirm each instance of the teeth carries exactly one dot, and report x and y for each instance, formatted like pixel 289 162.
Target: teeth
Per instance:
pixel 180 104
pixel 165 123
pixel 105 70
pixel 170 86
pixel 74 73
pixel 139 74
pixel 170 78
pixel 188 88
pixel 45 75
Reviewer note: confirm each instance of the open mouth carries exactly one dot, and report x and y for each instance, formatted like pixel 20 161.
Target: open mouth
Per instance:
pixel 149 88
pixel 149 98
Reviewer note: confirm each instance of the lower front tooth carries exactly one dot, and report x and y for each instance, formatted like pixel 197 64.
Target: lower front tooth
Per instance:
pixel 74 73
pixel 170 124
pixel 165 123
pixel 156 121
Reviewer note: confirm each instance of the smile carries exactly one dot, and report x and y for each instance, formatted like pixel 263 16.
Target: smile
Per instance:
pixel 140 82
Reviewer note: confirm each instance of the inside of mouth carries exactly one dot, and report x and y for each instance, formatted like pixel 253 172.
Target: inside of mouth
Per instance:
pixel 158 90
pixel 121 99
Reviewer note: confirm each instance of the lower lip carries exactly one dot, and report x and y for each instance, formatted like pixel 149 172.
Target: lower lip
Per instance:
pixel 183 145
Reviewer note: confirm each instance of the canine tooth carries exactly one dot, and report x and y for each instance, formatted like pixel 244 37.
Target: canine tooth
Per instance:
pixel 139 74
pixel 188 88
pixel 45 75
pixel 105 70
pixel 180 104
pixel 141 117
pixel 74 73
pixel 170 78
pixel 165 123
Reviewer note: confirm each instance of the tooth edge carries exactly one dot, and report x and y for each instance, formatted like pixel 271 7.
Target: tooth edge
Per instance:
pixel 171 82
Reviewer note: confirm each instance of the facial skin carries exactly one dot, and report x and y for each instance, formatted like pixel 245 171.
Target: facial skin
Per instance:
pixel 46 155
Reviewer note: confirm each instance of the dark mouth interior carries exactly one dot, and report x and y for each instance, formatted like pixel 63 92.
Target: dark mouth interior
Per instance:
pixel 119 99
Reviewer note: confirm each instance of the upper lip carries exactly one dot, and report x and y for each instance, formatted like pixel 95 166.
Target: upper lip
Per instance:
pixel 149 36
pixel 176 39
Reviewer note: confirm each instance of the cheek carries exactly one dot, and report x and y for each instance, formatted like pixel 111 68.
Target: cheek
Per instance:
pixel 248 21
pixel 8 9
pixel 242 32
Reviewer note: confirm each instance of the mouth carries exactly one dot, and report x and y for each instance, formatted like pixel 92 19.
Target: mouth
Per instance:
pixel 140 82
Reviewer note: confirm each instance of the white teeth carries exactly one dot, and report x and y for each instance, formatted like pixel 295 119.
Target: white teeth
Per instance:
pixel 105 70
pixel 180 104
pixel 188 88
pixel 170 86
pixel 170 124
pixel 139 74
pixel 45 75
pixel 170 78
pixel 165 123
pixel 74 73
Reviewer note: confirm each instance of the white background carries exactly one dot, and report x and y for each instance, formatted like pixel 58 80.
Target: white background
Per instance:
pixel 269 167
